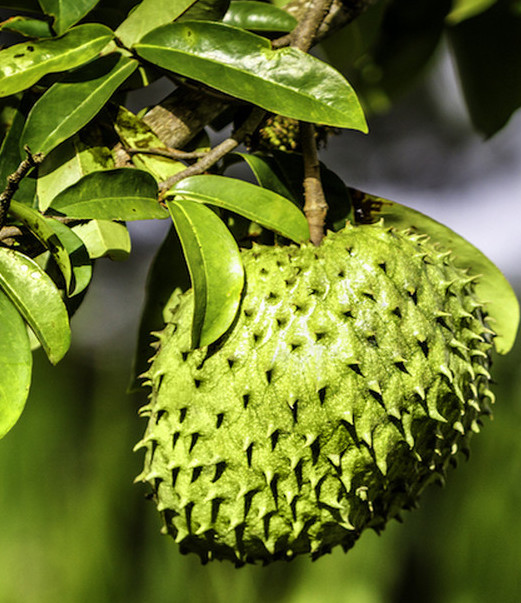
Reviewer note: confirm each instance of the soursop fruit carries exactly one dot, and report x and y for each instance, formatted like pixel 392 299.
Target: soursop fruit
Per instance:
pixel 352 376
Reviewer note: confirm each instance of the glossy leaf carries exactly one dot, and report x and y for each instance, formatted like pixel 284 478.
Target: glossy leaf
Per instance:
pixel 41 229
pixel 285 81
pixel 103 238
pixel 206 10
pixel 215 266
pixel 79 257
pixel 30 28
pixel 267 173
pixel 490 72
pixel 168 275
pixel 492 288
pixel 38 301
pixel 134 133
pixel 70 104
pixel 149 15
pixel 22 65
pixel 248 200
pixel 258 16
pixel 66 12
pixel 15 364
pixel 120 194
pixel 66 164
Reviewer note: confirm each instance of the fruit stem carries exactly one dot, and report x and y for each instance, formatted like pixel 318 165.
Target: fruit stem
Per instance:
pixel 315 205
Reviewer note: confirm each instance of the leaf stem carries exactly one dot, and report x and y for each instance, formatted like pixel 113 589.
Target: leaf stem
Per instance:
pixel 13 182
pixel 247 128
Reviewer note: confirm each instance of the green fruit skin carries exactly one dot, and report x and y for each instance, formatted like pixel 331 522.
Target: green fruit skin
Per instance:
pixel 353 374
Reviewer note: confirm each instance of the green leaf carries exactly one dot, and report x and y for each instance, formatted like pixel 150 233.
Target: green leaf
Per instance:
pixel 283 173
pixel 206 10
pixel 492 288
pixel 66 164
pixel 465 9
pixel 167 276
pixel 103 238
pixel 41 229
pixel 285 81
pixel 22 65
pixel 134 133
pixel 267 173
pixel 38 301
pixel 253 202
pixel 78 255
pixel 15 364
pixel 258 16
pixel 66 12
pixel 490 72
pixel 148 15
pixel 215 266
pixel 70 104
pixel 28 27
pixel 120 194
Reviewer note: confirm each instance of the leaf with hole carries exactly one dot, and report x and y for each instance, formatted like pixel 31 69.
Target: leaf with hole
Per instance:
pixel 120 194
pixel 71 103
pixel 22 65
pixel 248 200
pixel 285 81
pixel 15 364
pixel 38 300
pixel 215 267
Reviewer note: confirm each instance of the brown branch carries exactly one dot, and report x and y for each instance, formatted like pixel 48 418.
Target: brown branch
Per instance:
pixel 248 127
pixel 169 153
pixel 315 206
pixel 10 232
pixel 13 182
pixel 341 13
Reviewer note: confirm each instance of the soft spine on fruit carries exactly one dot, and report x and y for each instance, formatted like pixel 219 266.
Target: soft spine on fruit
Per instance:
pixel 354 373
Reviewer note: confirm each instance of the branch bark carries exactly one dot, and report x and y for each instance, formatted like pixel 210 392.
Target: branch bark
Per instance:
pixel 13 183
pixel 315 206
pixel 249 126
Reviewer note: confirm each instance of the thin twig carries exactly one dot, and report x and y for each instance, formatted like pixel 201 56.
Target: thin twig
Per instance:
pixel 315 206
pixel 218 152
pixel 341 13
pixel 13 182
pixel 170 153
pixel 10 232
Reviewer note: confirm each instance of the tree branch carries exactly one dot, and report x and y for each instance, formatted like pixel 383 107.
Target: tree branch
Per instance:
pixel 249 126
pixel 341 13
pixel 315 206
pixel 13 182
pixel 169 153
